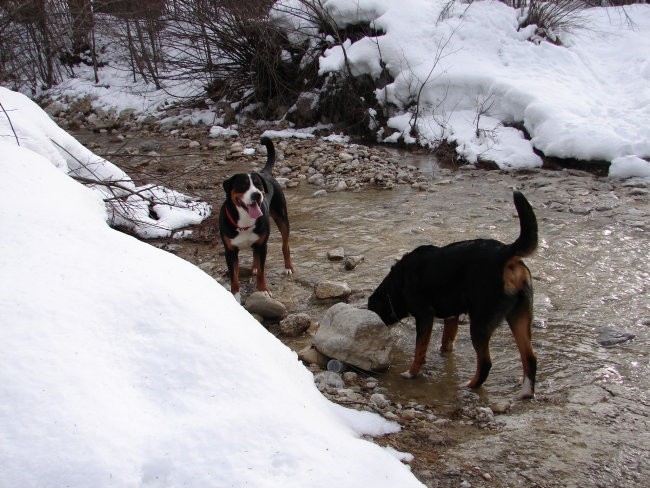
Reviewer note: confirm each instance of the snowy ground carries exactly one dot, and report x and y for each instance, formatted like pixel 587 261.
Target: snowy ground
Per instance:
pixel 468 72
pixel 588 99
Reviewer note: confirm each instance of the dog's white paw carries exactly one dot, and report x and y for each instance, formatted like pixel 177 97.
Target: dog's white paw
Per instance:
pixel 288 271
pixel 238 297
pixel 408 375
pixel 527 392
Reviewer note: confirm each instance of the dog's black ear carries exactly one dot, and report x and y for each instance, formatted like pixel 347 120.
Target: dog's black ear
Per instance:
pixel 258 181
pixel 227 185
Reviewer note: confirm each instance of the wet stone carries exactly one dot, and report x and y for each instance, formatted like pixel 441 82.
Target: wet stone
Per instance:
pixel 331 289
pixel 336 254
pixel 608 336
pixel 311 356
pixel 379 400
pixel 295 324
pixel 351 262
pixel 355 336
pixel 588 395
pixel 262 304
pixel 328 379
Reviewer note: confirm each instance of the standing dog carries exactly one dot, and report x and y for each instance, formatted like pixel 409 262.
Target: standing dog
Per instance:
pixel 483 278
pixel 244 220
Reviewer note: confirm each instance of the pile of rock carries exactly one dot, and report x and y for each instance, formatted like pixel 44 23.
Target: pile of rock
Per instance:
pixel 340 167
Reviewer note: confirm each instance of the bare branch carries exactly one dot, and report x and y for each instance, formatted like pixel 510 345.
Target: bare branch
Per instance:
pixel 10 124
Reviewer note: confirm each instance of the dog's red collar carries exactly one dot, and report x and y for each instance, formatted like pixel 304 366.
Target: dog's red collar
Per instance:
pixel 234 222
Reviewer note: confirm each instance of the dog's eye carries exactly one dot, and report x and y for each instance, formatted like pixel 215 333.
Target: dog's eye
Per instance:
pixel 240 186
pixel 257 181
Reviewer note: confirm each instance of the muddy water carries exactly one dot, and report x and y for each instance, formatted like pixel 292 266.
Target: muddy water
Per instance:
pixel 588 425
pixel 591 273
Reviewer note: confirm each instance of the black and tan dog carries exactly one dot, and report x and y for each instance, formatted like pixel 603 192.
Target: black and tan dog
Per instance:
pixel 483 278
pixel 244 220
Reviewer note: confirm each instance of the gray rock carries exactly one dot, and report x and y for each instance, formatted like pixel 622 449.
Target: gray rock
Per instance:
pixel 336 254
pixel 127 113
pixel 356 337
pixel 54 109
pixel 501 407
pixel 262 304
pixel 346 157
pixel 295 324
pixel 341 186
pixel 379 400
pixel 588 395
pixel 608 336
pixel 310 355
pixel 331 289
pixel 148 146
pixel 350 377
pixel 328 379
pixel 236 147
pixel 351 262
pixel 316 179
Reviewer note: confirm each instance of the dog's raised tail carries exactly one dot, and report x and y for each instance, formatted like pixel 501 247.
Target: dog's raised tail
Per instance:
pixel 526 243
pixel 270 154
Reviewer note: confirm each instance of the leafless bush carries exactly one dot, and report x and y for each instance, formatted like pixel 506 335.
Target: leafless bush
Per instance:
pixel 552 17
pixel 33 40
pixel 235 49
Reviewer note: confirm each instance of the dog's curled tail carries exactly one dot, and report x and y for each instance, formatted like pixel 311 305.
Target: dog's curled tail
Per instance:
pixel 270 154
pixel 526 243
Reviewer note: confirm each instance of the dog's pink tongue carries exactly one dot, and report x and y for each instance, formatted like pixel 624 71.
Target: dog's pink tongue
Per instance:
pixel 254 211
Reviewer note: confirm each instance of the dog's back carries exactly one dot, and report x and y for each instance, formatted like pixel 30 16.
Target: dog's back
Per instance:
pixel 465 275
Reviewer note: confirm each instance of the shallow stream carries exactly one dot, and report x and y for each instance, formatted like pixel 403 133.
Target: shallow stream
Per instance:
pixel 591 272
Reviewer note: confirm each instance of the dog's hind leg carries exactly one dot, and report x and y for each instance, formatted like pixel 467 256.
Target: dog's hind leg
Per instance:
pixel 449 334
pixel 520 322
pixel 423 328
pixel 282 221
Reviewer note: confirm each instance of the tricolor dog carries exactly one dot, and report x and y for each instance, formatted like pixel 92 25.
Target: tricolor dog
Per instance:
pixel 483 278
pixel 244 220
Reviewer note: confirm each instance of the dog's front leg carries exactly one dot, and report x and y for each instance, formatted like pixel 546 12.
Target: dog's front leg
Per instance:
pixel 423 328
pixel 259 257
pixel 232 261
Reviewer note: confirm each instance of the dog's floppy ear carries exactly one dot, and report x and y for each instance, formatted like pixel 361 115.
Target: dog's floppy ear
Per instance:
pixel 227 185
pixel 257 179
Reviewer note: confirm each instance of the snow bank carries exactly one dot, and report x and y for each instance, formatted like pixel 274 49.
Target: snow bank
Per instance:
pixel 123 365
pixel 588 99
pixel 25 124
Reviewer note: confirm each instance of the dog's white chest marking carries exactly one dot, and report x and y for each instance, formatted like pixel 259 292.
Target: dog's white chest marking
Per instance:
pixel 245 238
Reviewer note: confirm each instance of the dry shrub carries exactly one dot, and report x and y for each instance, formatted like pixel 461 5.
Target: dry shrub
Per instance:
pixel 553 17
